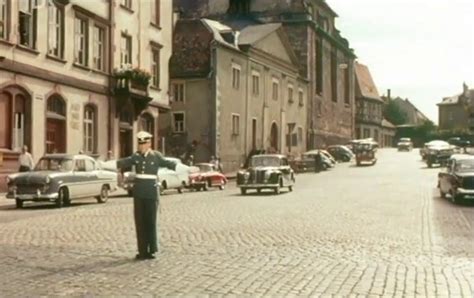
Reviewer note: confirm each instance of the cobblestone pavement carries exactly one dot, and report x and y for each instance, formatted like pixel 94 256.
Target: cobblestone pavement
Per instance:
pixel 369 231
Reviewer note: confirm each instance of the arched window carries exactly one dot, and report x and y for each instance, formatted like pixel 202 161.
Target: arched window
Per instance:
pixel 90 129
pixel 56 107
pixel 5 120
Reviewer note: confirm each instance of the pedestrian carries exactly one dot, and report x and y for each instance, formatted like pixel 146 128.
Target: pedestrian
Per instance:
pixel 317 162
pixel 213 161
pixel 191 160
pixel 146 193
pixel 219 165
pixel 25 160
pixel 110 156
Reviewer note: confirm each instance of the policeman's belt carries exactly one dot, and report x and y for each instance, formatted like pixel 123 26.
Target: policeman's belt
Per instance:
pixel 146 176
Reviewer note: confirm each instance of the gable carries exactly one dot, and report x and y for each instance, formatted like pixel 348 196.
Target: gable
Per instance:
pixel 273 45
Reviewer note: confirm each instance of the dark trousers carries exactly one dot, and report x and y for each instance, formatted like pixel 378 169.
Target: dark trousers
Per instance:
pixel 24 169
pixel 145 207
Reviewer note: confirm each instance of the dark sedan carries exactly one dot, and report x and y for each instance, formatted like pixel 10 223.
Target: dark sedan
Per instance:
pixel 457 180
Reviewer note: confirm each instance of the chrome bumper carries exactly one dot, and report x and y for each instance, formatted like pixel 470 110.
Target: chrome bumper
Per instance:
pixel 33 197
pixel 466 193
pixel 268 185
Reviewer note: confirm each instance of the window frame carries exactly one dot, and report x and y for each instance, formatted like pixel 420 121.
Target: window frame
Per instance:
pixel 334 75
pixel 155 10
pixel 124 47
pixel 155 67
pixel 300 97
pixel 128 4
pixel 182 91
pixel 85 36
pixel 33 24
pixel 236 73
pixel 59 28
pixel 92 122
pixel 96 47
pixel 275 91
pixel 5 16
pixel 235 128
pixel 291 90
pixel 183 129
pixel 255 83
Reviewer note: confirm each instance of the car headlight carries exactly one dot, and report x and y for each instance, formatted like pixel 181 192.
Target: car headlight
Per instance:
pixel 12 188
pixel 48 180
pixel 246 175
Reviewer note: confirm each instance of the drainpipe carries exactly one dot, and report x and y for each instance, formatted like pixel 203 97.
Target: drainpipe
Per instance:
pixel 111 104
pixel 214 109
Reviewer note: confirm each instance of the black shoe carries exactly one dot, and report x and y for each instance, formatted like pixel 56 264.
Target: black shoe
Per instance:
pixel 140 257
pixel 150 256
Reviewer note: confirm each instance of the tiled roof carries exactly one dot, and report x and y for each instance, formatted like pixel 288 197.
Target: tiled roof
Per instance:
pixel 365 86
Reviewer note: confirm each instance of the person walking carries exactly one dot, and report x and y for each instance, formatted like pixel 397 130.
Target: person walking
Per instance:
pixel 25 160
pixel 146 193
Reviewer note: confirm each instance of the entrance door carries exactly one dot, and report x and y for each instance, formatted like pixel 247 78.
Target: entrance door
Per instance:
pixel 126 142
pixel 254 133
pixel 55 136
pixel 274 137
pixel 5 121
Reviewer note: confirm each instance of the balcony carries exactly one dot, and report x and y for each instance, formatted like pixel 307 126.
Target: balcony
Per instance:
pixel 131 86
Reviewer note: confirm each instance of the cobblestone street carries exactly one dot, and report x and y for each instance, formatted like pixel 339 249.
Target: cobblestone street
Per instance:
pixel 352 231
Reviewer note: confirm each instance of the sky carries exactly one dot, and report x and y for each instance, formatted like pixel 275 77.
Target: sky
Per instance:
pixel 420 49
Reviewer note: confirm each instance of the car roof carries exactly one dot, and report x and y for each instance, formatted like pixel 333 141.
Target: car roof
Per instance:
pixel 204 164
pixel 270 155
pixel 68 156
pixel 458 157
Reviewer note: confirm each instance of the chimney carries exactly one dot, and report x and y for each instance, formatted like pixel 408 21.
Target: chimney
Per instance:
pixel 389 93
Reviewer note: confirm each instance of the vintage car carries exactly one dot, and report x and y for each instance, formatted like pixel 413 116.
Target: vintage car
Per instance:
pixel 405 144
pixel 457 180
pixel 341 153
pixel 365 152
pixel 167 179
pixel 438 152
pixel 61 178
pixel 270 171
pixel 307 162
pixel 207 176
pixel 328 160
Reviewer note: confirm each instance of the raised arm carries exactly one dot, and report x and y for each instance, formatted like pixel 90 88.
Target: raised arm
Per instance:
pixel 163 162
pixel 126 162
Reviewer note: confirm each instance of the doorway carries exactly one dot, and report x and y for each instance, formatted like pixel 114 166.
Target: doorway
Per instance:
pixel 274 137
pixel 254 134
pixel 56 125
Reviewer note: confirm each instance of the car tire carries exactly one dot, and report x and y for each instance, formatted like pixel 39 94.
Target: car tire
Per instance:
pixel 290 188
pixel 430 165
pixel 163 188
pixel 204 187
pixel 130 193
pixel 19 203
pixel 442 194
pixel 63 198
pixel 243 191
pixel 222 186
pixel 104 194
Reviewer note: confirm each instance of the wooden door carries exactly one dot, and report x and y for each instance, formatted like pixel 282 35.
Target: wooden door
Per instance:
pixel 55 136
pixel 5 121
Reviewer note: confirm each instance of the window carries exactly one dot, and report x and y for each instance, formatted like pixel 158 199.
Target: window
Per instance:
pixel 81 41
pixel 275 86
pixel 89 144
pixel 450 116
pixel 155 12
pixel 290 94
pixel 235 124
pixel 27 23
pixel 80 165
pixel 300 98
pixel 235 77
pixel 178 92
pixel 319 66
pixel 147 123
pixel 255 83
pixel 125 50
pixel 3 19
pixel 99 48
pixel 127 3
pixel 300 135
pixel 334 74
pixel 55 29
pixel 178 122
pixel 347 82
pixel 56 106
pixel 155 67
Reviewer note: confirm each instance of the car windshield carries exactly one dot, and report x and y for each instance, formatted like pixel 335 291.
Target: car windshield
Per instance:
pixel 265 161
pixel 205 168
pixel 405 140
pixel 359 147
pixel 55 164
pixel 465 165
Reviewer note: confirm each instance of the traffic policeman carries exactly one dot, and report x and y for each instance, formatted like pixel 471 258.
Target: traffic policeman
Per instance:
pixel 145 193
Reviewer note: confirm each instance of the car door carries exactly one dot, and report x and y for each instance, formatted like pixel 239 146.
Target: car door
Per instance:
pixel 444 178
pixel 286 170
pixel 91 180
pixel 76 181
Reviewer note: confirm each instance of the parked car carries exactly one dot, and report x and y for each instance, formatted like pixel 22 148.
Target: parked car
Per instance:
pixel 365 153
pixel 457 180
pixel 328 160
pixel 458 142
pixel 438 152
pixel 62 178
pixel 341 153
pixel 207 176
pixel 167 179
pixel 405 144
pixel 270 171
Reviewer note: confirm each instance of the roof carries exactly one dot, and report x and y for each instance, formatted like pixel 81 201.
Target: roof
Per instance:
pixel 365 86
pixel 386 123
pixel 458 157
pixel 251 34
pixel 453 100
pixel 217 30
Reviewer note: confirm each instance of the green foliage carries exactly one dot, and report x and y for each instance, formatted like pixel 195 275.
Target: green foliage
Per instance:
pixel 394 114
pixel 137 76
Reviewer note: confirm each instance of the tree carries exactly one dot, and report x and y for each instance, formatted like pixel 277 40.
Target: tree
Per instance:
pixel 394 114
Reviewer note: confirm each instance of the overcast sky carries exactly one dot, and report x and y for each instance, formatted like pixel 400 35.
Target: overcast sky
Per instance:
pixel 420 49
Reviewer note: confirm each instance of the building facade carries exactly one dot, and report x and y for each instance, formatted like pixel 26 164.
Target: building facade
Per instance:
pixel 457 112
pixel 414 117
pixel 58 84
pixel 325 56
pixel 369 106
pixel 234 91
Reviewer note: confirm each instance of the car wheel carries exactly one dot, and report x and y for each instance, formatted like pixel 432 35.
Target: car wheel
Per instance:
pixel 259 191
pixel 430 165
pixel 346 159
pixel 163 187
pixel 104 194
pixel 63 198
pixel 204 187
pixel 130 193
pixel 442 194
pixel 277 190
pixel 290 188
pixel 19 203
pixel 243 191
pixel 222 186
